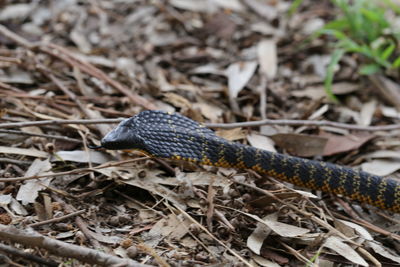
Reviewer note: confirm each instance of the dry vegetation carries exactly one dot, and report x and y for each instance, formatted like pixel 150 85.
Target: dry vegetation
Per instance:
pixel 214 61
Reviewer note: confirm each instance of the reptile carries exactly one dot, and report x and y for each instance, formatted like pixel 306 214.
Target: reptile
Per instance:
pixel 173 136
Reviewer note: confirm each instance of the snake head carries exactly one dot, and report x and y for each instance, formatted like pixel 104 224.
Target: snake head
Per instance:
pixel 124 136
pixel 159 134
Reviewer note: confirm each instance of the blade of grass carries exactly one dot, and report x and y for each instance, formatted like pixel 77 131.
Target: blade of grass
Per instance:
pixel 336 56
pixel 294 6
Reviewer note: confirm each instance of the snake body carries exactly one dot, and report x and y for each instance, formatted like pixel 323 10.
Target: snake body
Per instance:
pixel 173 136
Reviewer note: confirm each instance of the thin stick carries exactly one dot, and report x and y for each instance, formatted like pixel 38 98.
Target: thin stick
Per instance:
pixel 58 219
pixel 76 171
pixel 15 161
pixel 27 255
pixel 303 123
pixel 298 210
pixel 388 127
pixel 56 122
pixel 213 237
pixel 57 137
pixel 87 255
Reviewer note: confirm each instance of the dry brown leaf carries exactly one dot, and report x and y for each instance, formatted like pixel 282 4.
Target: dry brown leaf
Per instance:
pixel 82 156
pixel 367 112
pixel 336 244
pixel 80 39
pixel 264 201
pixel 362 232
pixel 381 167
pixel 29 191
pixel 177 100
pixel 318 92
pixel 262 8
pixel 194 178
pixel 220 25
pixel 16 207
pixel 384 154
pixel 199 5
pixel 389 89
pixel 188 242
pixel 300 144
pixel 14 75
pixel 15 11
pixel 319 112
pixel 5 200
pixel 273 255
pixel 239 74
pixel 390 112
pixel 383 251
pixel 283 229
pixel 129 177
pixel 257 237
pixel 232 134
pixel 268 58
pixel 338 144
pixel 172 227
pixel 312 25
pixel 261 142
pixel 104 238
pixel 209 111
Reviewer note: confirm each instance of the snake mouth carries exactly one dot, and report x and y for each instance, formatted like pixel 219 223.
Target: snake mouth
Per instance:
pixel 95 147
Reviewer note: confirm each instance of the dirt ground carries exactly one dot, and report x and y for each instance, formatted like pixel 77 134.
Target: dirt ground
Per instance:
pixel 216 62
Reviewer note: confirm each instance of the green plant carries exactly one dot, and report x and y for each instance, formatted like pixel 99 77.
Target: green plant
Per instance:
pixel 363 28
pixel 294 6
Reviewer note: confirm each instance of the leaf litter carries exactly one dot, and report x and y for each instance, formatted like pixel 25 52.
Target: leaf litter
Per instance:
pixel 214 61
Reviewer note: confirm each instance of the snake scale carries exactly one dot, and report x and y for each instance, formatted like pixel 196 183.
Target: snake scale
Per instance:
pixel 173 136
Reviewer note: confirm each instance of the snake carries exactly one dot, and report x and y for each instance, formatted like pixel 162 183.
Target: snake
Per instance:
pixel 173 136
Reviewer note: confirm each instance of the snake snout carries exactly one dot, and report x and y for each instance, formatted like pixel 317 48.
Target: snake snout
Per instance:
pixel 112 140
pixel 124 136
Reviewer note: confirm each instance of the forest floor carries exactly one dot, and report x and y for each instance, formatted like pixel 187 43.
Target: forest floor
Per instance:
pixel 215 61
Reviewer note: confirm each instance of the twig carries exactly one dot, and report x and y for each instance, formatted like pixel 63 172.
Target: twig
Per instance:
pixel 262 89
pixel 58 219
pixel 340 125
pixel 16 38
pixel 15 161
pixel 25 255
pixel 295 253
pixel 102 129
pixel 80 223
pixel 66 56
pixel 298 210
pixel 56 122
pixel 303 123
pixel 369 226
pixel 63 138
pixel 212 236
pixel 63 249
pixel 6 260
pixel 76 171
pixel 10 60
pixel 69 58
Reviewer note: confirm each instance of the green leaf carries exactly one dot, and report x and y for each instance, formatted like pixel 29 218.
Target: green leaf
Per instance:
pixel 388 51
pixel 371 15
pixel 335 58
pixel 396 63
pixel 338 34
pixel 392 5
pixel 369 69
pixel 339 24
pixel 294 6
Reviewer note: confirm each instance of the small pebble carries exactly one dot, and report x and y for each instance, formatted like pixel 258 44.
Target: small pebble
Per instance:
pixel 132 252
